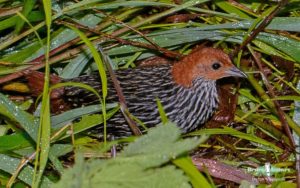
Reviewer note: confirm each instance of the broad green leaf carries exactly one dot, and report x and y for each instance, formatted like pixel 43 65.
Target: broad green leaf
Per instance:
pixel 58 121
pixel 287 45
pixel 100 173
pixel 10 164
pixel 284 184
pixel 157 147
pixel 278 23
pixel 136 165
pixel 26 120
pixel 20 140
pixel 87 122
pixel 168 38
pixel 114 176
pixel 231 9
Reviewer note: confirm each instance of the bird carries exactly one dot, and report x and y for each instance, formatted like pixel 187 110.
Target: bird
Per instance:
pixel 186 89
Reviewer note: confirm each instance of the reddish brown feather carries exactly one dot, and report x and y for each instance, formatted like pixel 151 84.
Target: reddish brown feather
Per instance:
pixel 36 84
pixel 199 64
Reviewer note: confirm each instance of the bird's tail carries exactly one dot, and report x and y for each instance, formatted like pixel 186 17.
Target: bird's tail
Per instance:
pixel 36 81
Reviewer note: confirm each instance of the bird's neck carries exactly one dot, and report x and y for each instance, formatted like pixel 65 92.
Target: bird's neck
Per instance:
pixel 194 105
pixel 182 74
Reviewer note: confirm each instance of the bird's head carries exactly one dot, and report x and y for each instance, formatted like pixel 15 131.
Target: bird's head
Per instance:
pixel 208 63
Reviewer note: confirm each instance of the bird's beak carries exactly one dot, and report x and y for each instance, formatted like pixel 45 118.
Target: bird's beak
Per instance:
pixel 235 72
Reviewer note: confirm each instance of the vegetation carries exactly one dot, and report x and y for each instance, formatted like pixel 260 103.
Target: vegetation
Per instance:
pixel 251 141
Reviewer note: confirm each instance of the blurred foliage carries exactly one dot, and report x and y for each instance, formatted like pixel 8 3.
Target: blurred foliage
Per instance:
pixel 138 165
pixel 174 25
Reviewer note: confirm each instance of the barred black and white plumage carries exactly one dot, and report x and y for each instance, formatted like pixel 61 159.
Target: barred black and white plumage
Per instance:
pixel 187 107
pixel 186 89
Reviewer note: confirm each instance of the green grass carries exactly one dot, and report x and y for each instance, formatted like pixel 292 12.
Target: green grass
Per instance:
pixel 36 38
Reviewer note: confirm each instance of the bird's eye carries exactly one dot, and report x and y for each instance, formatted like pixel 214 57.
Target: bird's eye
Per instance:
pixel 216 66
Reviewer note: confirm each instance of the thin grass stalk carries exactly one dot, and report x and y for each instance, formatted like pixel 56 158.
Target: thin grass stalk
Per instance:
pixel 44 133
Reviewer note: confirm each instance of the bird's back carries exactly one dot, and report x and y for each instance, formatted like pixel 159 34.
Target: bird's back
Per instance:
pixel 141 88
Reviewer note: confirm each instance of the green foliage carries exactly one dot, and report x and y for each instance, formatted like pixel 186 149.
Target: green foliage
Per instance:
pixel 31 29
pixel 138 165
pixel 233 132
pixel 10 164
pixel 28 6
